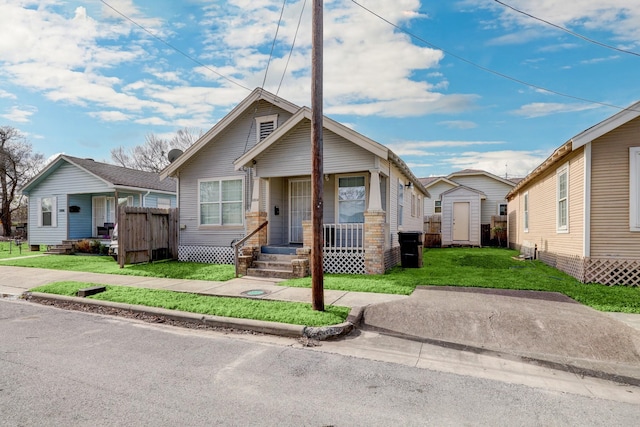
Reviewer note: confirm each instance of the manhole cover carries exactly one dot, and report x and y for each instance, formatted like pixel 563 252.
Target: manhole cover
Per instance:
pixel 254 293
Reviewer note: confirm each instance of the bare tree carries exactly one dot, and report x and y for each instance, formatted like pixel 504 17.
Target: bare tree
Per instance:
pixel 18 164
pixel 152 155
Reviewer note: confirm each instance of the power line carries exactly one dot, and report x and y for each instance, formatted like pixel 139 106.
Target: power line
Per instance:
pixel 293 43
pixel 488 70
pixel 566 30
pixel 275 37
pixel 186 55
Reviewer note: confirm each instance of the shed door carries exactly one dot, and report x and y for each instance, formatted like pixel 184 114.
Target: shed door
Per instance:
pixel 461 221
pixel 300 208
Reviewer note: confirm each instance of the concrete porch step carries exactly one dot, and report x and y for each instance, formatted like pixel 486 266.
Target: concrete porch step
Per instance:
pixel 273 265
pixel 267 272
pixel 275 257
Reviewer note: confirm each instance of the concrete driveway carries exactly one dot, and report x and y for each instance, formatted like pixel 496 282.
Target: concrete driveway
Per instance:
pixel 540 327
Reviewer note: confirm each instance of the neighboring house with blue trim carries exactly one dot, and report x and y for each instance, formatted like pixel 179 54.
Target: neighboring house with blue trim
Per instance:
pixel 74 198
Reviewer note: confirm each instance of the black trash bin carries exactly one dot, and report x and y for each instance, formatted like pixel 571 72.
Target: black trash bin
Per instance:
pixel 410 248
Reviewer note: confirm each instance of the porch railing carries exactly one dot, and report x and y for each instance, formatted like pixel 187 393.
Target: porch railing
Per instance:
pixel 237 245
pixel 348 236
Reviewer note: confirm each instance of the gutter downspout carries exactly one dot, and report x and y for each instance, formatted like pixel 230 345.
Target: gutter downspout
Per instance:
pixel 586 208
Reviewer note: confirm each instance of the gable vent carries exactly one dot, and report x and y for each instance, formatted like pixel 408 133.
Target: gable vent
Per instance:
pixel 265 129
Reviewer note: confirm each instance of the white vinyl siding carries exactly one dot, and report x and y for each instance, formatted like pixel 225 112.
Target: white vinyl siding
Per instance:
pixel 562 204
pixel 163 203
pixel 220 202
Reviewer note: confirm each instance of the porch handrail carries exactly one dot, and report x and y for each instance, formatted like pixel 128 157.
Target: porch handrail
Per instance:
pixel 344 236
pixel 239 243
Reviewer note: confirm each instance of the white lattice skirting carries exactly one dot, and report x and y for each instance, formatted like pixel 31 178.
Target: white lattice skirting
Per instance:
pixel 346 262
pixel 206 254
pixel 613 271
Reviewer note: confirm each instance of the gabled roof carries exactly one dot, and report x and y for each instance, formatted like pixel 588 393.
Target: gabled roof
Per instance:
pixel 606 126
pixel 113 176
pixel 437 179
pixel 299 114
pixel 472 172
pixel 463 187
pixel 255 96
pixel 581 139
pixel 358 139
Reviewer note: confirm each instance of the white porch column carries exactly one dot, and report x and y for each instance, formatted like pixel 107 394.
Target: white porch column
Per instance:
pixel 375 201
pixel 255 196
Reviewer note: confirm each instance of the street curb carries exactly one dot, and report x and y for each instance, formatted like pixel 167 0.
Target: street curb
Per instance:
pixel 263 326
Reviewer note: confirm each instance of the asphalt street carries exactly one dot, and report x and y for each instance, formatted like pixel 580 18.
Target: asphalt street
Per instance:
pixel 71 368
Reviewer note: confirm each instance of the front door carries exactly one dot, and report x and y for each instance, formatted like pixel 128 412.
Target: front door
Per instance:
pixel 104 210
pixel 299 207
pixel 461 221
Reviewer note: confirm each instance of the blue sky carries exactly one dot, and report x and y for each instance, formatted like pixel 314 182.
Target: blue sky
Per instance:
pixel 78 78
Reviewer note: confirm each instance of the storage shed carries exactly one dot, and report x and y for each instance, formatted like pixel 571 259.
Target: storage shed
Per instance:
pixel 461 216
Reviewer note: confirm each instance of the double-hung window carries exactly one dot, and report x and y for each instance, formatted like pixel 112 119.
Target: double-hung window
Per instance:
pixel 437 206
pixel 220 201
pixel 562 180
pixel 46 207
pixel 634 188
pixel 351 199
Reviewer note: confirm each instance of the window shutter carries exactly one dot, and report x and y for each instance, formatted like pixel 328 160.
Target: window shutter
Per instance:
pixel 39 203
pixel 54 212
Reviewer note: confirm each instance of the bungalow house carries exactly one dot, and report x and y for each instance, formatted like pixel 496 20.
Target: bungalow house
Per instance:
pixel 468 203
pixel 254 166
pixel 579 211
pixel 74 198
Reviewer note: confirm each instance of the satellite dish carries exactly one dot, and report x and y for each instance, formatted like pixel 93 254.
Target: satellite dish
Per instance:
pixel 174 154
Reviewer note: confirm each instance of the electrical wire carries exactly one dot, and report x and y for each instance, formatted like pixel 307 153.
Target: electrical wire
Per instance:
pixel 566 30
pixel 489 70
pixel 275 37
pixel 293 43
pixel 186 55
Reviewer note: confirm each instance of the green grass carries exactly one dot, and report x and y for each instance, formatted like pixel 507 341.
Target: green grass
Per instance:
pixel 485 268
pixel 106 264
pixel 243 308
pixel 10 250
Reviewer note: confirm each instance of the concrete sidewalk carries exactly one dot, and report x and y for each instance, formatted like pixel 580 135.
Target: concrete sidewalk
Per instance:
pixel 16 280
pixel 544 328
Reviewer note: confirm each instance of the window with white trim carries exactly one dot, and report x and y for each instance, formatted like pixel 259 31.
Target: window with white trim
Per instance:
pixel 562 199
pixel 502 209
pixel 400 201
pixel 220 201
pixel 351 199
pixel 413 205
pixel 265 125
pixel 47 211
pixel 525 220
pixel 634 188
pixel 437 206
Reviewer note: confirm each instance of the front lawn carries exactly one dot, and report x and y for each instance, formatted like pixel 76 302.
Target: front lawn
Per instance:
pixel 484 268
pixel 9 249
pixel 243 308
pixel 106 264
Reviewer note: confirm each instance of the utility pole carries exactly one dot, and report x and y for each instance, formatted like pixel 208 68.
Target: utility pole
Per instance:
pixel 317 280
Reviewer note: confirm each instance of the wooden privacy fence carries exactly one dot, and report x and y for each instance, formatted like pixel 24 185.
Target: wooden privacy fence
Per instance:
pixel 433 231
pixel 147 234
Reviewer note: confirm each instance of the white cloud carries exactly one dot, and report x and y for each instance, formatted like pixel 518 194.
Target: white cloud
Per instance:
pixel 513 163
pixel 20 115
pixel 459 124
pixel 540 109
pixel 110 116
pixel 7 95
pixel 425 148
